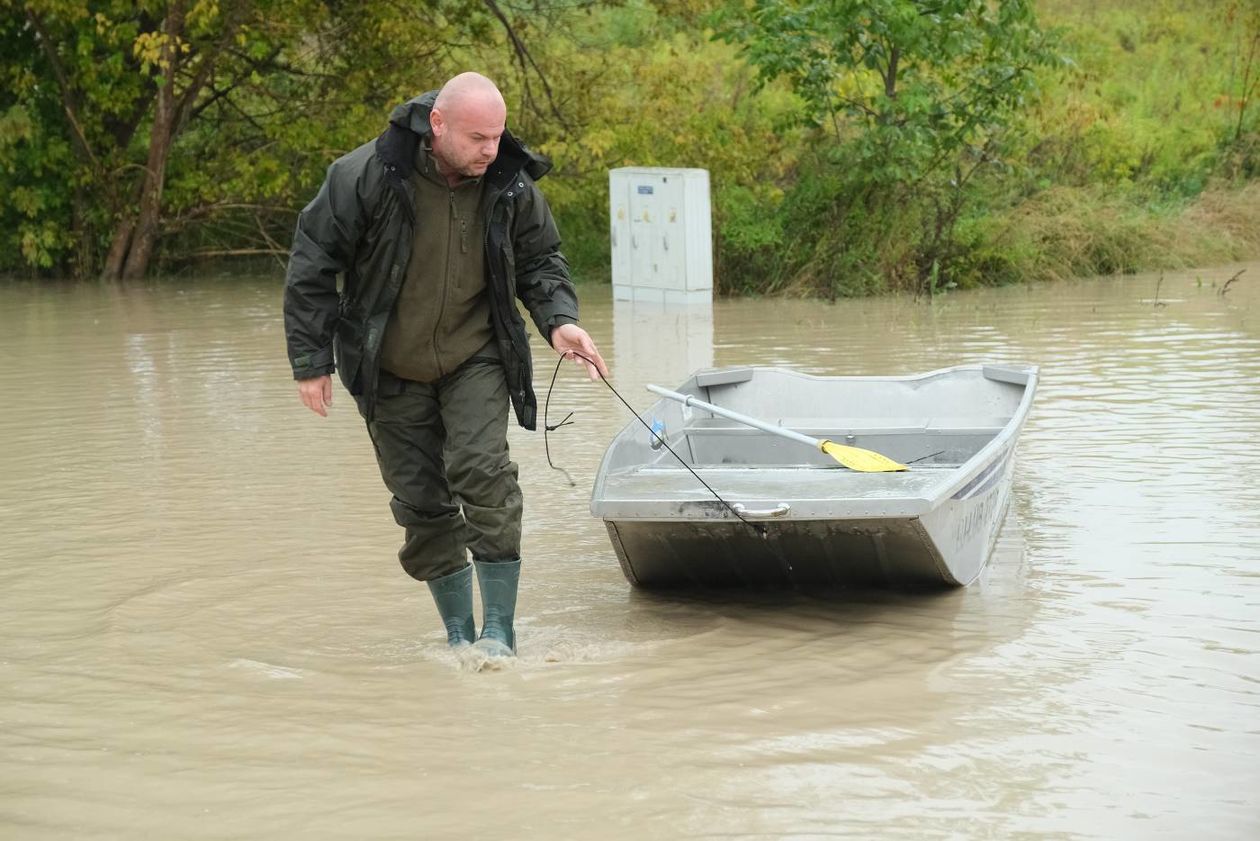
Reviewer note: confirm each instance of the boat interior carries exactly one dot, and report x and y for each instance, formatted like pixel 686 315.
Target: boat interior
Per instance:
pixel 935 421
pixel 936 424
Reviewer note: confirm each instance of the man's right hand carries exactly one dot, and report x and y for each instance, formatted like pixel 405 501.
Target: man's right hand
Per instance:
pixel 316 393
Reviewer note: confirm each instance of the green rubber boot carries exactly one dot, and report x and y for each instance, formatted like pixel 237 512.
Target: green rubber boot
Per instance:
pixel 453 596
pixel 498 581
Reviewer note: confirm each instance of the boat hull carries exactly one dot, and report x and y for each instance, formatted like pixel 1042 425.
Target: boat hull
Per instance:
pixel 946 547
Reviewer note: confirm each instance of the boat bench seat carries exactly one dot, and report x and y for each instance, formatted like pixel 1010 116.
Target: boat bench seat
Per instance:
pixel 829 425
pixel 815 430
pixel 892 426
pixel 856 426
pixel 885 426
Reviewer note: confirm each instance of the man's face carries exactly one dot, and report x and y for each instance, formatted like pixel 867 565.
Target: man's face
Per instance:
pixel 466 138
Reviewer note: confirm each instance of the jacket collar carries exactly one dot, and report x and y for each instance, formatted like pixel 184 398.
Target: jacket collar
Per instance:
pixel 410 121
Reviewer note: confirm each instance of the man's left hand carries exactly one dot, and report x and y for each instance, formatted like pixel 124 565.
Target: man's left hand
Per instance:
pixel 575 343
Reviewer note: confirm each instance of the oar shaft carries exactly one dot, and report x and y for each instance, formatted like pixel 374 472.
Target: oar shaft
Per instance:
pixel 688 400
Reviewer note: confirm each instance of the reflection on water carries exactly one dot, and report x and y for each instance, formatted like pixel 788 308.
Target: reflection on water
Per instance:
pixel 205 633
pixel 666 342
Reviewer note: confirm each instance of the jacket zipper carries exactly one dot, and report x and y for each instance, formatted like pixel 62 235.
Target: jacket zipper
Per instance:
pixel 507 326
pixel 446 284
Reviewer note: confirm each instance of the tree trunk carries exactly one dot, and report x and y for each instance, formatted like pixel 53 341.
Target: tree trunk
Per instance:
pixel 118 250
pixel 890 80
pixel 144 236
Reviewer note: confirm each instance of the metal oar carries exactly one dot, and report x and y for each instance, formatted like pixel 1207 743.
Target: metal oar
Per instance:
pixel 854 458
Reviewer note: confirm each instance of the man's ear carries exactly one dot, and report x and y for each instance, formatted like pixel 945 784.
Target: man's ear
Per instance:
pixel 437 122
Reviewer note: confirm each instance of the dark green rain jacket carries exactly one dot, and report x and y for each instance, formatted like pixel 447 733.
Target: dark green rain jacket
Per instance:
pixel 359 226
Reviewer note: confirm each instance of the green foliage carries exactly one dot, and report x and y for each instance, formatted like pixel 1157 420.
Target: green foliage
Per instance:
pixel 633 87
pixel 268 93
pixel 1146 110
pixel 854 146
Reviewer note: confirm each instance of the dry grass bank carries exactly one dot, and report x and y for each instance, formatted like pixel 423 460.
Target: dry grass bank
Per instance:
pixel 1073 231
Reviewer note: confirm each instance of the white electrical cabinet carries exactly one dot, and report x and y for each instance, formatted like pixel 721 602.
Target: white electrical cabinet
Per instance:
pixel 662 249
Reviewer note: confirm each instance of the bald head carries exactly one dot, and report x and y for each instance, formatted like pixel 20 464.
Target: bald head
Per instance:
pixel 468 90
pixel 468 118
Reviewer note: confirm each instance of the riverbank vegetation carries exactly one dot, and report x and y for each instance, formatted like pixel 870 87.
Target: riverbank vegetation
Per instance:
pixel 854 147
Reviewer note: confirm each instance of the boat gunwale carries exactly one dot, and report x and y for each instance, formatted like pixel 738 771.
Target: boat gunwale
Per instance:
pixel 992 451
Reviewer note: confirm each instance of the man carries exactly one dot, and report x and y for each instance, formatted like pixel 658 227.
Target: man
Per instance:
pixel 437 227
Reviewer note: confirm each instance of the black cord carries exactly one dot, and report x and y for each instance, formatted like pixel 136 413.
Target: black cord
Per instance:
pixel 760 530
pixel 549 428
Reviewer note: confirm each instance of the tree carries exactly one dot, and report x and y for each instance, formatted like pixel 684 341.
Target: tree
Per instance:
pixel 122 122
pixel 911 97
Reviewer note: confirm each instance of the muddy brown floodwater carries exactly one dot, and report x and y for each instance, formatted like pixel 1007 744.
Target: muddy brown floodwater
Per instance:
pixel 204 632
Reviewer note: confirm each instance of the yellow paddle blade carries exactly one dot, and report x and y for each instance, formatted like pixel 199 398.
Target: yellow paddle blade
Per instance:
pixel 863 461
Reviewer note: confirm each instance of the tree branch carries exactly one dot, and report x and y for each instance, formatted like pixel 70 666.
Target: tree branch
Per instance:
pixel 523 57
pixel 237 252
pixel 271 243
pixel 202 211
pixel 205 66
pixel 890 80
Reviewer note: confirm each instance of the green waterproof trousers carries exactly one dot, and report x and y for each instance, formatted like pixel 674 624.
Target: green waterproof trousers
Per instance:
pixel 443 453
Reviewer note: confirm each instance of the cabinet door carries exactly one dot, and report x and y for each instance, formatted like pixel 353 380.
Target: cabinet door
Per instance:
pixel 644 220
pixel 671 234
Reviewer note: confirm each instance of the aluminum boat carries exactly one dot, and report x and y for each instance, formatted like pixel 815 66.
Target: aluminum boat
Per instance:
pixel 778 514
